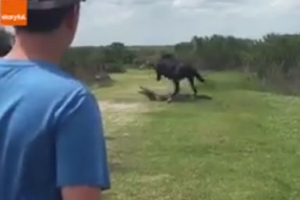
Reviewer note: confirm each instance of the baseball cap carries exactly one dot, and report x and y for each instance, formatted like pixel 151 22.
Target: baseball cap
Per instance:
pixel 49 4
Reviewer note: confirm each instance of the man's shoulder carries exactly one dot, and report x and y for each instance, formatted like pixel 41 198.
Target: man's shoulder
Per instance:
pixel 60 91
pixel 41 81
pixel 61 82
pixel 53 76
pixel 45 81
pixel 62 85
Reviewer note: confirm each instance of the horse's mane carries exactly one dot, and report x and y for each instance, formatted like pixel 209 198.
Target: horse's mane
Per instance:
pixel 167 56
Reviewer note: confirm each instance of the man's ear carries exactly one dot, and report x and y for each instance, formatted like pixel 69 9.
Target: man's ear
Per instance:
pixel 72 17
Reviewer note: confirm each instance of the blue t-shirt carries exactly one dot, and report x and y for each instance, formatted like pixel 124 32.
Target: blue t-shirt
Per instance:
pixel 51 132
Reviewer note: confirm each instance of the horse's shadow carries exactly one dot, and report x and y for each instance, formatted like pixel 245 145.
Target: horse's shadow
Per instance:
pixel 180 97
pixel 190 98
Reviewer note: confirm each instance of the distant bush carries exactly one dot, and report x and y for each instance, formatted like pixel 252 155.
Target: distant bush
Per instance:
pixel 274 58
pixel 116 68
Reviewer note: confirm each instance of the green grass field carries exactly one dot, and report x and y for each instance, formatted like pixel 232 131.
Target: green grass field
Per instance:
pixel 242 145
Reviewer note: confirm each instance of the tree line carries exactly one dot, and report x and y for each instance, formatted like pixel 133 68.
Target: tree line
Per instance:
pixel 274 58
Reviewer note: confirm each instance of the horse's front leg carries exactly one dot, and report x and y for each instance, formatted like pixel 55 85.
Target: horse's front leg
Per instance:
pixel 158 76
pixel 176 89
pixel 192 84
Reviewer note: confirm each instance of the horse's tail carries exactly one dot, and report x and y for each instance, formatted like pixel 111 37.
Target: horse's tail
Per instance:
pixel 198 76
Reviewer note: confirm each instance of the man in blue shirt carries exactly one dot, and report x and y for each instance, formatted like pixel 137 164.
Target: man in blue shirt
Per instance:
pixel 52 144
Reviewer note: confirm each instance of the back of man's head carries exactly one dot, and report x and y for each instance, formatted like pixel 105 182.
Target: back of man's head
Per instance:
pixel 51 27
pixel 45 16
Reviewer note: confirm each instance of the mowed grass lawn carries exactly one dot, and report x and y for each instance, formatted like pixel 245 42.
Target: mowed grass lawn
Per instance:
pixel 242 145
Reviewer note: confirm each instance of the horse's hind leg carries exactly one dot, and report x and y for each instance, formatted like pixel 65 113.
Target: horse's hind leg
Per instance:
pixel 192 84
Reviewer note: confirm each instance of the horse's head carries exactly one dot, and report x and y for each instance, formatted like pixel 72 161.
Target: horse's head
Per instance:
pixel 154 66
pixel 151 65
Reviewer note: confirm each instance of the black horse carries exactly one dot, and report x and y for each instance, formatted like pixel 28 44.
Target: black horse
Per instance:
pixel 176 71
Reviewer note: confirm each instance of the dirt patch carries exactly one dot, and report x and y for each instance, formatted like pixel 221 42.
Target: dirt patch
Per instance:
pixel 155 178
pixel 122 113
pixel 121 107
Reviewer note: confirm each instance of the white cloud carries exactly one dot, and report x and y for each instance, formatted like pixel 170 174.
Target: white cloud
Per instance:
pixel 285 6
pixel 101 13
pixel 187 3
pixel 171 21
pixel 244 8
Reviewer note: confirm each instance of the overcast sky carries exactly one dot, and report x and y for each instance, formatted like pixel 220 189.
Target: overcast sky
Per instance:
pixel 170 21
